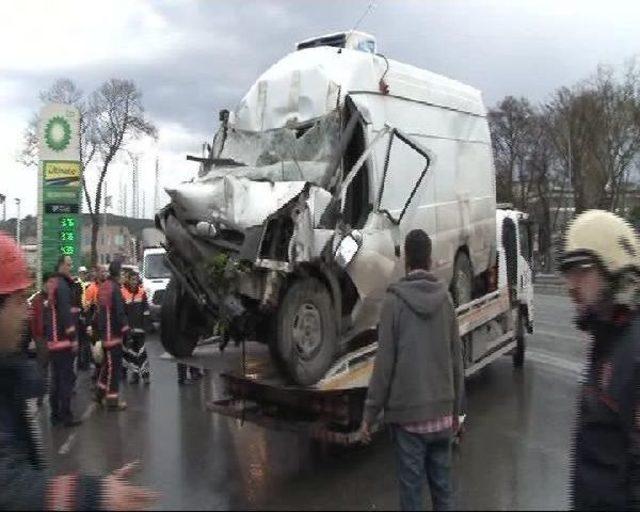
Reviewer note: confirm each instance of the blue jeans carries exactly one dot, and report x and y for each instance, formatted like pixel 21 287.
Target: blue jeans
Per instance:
pixel 423 459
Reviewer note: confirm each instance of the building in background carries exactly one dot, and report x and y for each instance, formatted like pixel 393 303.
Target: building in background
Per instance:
pixel 117 238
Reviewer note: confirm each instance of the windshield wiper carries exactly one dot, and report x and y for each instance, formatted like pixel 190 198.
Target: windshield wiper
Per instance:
pixel 224 162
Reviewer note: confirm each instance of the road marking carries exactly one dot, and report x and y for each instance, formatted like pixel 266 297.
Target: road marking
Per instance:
pixel 546 358
pixel 542 332
pixel 68 444
pixel 66 447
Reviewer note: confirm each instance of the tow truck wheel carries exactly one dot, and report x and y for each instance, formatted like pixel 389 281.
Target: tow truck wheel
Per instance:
pixel 177 332
pixel 518 353
pixel 306 331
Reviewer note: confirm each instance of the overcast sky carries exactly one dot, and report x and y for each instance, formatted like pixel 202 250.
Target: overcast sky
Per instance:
pixel 191 58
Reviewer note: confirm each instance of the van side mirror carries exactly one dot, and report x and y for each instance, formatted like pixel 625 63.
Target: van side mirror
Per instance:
pixel 347 249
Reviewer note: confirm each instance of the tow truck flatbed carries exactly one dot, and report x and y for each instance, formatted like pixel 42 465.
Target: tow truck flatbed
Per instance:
pixel 331 410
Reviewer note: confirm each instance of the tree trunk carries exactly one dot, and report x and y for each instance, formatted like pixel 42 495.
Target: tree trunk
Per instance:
pixel 95 226
pixel 95 217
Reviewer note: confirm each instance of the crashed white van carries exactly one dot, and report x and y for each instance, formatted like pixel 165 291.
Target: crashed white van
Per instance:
pixel 293 229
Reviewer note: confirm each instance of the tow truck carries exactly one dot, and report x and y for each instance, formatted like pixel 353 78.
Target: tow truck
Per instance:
pixel 491 326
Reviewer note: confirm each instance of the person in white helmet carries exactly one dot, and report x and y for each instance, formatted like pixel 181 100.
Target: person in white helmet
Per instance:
pixel 601 264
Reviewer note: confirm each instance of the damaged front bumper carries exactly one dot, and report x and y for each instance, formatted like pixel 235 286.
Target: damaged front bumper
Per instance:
pixel 232 267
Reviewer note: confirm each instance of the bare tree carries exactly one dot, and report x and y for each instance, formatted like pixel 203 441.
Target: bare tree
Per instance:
pixel 67 92
pixel 616 140
pixel 510 124
pixel 116 108
pixel 596 131
pixel 111 117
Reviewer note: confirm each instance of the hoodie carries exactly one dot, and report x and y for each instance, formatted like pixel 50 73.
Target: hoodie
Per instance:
pixel 418 373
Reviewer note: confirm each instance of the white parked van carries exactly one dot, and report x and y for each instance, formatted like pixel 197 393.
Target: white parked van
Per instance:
pixel 294 228
pixel 155 278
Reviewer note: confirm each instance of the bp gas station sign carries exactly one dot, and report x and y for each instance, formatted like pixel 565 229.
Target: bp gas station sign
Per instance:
pixel 60 186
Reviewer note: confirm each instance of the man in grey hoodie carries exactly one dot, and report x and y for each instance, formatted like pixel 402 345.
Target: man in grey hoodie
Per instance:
pixel 418 379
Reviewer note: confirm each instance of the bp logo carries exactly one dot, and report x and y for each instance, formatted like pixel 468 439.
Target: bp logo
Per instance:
pixel 57 133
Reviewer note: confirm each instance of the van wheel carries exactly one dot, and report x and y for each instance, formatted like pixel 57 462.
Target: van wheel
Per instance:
pixel 462 281
pixel 306 331
pixel 518 353
pixel 178 332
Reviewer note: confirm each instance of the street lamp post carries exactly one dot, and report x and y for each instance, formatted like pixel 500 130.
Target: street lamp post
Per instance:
pixel 18 221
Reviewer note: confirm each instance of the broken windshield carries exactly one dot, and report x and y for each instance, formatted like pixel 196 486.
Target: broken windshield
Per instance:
pixel 284 154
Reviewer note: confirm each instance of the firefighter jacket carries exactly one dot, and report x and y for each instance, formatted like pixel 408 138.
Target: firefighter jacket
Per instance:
pixel 59 322
pixel 25 483
pixel 112 320
pixel 135 306
pixel 606 466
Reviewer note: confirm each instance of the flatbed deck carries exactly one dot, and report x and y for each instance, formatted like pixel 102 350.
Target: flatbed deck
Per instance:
pixel 331 409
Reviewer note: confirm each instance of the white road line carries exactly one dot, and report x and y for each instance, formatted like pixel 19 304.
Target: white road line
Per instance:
pixel 66 447
pixel 68 444
pixel 88 412
pixel 551 334
pixel 546 358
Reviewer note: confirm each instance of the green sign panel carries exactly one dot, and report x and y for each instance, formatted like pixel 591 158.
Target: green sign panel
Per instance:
pixel 61 177
pixel 61 224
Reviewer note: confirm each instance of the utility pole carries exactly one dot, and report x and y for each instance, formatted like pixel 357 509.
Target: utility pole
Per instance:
pixel 3 201
pixel 18 221
pixel 135 188
pixel 155 189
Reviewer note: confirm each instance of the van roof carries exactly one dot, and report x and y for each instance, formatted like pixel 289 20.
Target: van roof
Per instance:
pixel 308 83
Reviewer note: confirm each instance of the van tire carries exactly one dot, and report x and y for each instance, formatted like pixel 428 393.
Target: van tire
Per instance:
pixel 518 353
pixel 306 331
pixel 462 280
pixel 177 327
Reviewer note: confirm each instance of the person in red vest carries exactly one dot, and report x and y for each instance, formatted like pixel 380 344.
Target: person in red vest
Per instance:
pixel 36 326
pixel 135 353
pixel 112 327
pixel 25 482
pixel 60 332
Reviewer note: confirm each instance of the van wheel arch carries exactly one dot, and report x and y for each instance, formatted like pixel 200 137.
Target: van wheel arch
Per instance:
pixel 462 279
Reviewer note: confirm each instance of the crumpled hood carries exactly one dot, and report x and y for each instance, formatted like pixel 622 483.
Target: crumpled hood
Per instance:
pixel 240 202
pixel 421 291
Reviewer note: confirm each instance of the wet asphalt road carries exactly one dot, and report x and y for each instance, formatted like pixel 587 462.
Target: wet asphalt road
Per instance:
pixel 514 454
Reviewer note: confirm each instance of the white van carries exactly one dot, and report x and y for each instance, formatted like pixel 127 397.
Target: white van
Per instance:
pixel 301 206
pixel 155 278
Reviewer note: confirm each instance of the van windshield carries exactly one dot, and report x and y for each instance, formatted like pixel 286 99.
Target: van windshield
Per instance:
pixel 284 154
pixel 155 267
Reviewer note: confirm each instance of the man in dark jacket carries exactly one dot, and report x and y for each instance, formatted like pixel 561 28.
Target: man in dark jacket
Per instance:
pixel 601 264
pixel 418 378
pixel 24 483
pixel 60 324
pixel 112 327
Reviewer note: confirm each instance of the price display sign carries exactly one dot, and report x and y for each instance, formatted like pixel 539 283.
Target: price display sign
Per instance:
pixel 60 229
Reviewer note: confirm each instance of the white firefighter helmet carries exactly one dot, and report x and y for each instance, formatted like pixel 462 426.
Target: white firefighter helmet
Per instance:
pixel 598 236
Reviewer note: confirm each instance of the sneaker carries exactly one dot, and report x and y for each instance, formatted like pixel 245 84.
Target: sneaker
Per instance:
pixel 116 405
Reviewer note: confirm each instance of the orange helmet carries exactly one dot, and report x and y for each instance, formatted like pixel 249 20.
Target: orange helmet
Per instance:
pixel 14 275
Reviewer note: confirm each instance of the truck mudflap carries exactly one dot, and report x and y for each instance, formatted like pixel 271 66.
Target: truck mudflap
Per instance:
pixel 264 416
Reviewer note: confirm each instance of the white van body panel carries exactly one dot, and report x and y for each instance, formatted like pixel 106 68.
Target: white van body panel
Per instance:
pixel 456 202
